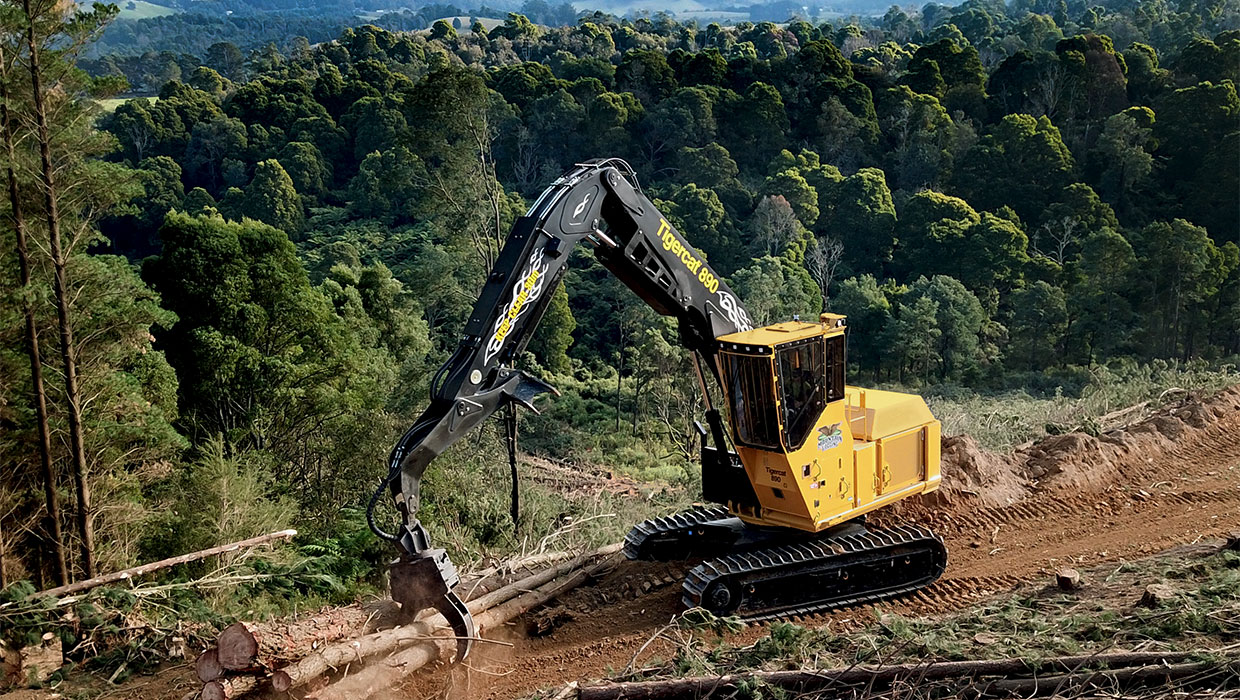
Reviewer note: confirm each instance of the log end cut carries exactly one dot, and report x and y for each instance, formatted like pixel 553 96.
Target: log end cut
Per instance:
pixel 238 647
pixel 208 666
pixel 213 691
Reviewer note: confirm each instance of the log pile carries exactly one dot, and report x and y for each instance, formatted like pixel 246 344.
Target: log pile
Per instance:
pixel 253 659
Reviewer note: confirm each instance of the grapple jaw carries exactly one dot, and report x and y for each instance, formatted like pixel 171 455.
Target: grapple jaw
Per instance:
pixel 425 580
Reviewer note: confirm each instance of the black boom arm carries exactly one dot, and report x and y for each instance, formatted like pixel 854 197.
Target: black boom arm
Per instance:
pixel 599 201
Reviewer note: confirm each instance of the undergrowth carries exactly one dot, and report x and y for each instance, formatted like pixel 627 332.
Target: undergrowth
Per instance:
pixel 1080 400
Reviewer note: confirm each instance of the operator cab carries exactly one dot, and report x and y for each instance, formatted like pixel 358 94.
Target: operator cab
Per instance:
pixel 779 378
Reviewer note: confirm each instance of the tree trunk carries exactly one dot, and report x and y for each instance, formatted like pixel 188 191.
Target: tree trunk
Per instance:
pixel 77 445
pixel 50 496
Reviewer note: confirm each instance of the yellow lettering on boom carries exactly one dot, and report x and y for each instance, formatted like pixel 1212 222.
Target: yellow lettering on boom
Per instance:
pixel 691 262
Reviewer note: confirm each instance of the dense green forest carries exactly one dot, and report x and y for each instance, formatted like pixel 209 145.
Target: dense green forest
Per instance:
pixel 256 271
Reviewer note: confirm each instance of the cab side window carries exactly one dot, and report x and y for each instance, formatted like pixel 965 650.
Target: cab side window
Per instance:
pixel 803 383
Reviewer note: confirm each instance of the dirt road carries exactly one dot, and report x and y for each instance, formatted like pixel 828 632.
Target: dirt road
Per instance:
pixel 1171 479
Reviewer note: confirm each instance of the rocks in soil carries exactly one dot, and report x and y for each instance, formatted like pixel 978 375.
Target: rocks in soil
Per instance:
pixel 1157 595
pixel 548 621
pixel 1068 579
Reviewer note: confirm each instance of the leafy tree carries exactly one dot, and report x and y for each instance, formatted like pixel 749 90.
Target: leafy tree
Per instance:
pixel 646 74
pixel 272 199
pixel 709 166
pixel 1122 149
pixel 385 186
pixel 1100 315
pixel 226 59
pixel 442 31
pixel 162 190
pixel 796 192
pixel 775 289
pixel 309 172
pixel 863 218
pixel 1039 320
pixel 912 338
pixel 961 348
pixel 1022 163
pixel 1181 267
pixel 554 336
pixel 868 311
pixel 698 213
pixel 754 125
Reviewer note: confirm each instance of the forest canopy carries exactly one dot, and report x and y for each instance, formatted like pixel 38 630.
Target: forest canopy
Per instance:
pixel 273 250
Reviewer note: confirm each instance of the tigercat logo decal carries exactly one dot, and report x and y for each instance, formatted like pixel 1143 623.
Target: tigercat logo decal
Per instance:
pixel 695 266
pixel 525 292
pixel 582 207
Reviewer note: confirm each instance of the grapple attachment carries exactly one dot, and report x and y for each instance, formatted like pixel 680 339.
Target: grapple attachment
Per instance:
pixel 425 580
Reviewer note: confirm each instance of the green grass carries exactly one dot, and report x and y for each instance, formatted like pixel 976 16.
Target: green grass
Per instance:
pixel 110 104
pixel 140 9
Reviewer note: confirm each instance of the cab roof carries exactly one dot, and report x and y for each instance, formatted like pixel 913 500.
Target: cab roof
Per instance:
pixel 780 333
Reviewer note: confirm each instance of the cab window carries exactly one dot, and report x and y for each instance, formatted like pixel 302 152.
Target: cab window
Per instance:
pixel 753 400
pixel 803 382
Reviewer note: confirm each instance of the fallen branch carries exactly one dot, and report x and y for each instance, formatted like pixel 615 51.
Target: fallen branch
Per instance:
pixel 810 681
pixel 1121 678
pixel 144 569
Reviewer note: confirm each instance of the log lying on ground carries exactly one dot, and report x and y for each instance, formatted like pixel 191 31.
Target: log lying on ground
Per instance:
pixel 870 676
pixel 489 610
pixel 496 577
pixel 207 666
pixel 170 562
pixel 388 672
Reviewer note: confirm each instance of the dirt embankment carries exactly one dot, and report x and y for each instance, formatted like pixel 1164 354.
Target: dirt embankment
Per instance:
pixel 1072 499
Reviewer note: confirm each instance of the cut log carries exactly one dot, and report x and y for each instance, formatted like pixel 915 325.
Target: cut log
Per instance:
pixel 228 688
pixel 162 564
pixel 249 645
pixel 1068 579
pixel 1110 680
pixel 243 646
pixel 868 676
pixel 342 654
pixel 497 577
pixel 208 666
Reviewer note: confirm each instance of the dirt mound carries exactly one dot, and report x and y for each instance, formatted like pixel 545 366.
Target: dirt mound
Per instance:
pixel 1083 462
pixel 973 474
pixel 1077 462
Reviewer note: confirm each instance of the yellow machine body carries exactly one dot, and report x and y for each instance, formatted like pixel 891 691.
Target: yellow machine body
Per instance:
pixel 817 451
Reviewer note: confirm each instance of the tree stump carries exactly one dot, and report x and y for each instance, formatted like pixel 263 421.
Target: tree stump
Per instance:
pixel 1233 541
pixel 1156 595
pixel 1068 579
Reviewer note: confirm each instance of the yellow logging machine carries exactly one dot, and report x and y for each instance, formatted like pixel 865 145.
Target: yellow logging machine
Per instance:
pixel 796 463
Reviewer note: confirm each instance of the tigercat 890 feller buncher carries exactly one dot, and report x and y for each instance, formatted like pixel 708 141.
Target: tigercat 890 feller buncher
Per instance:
pixel 798 462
